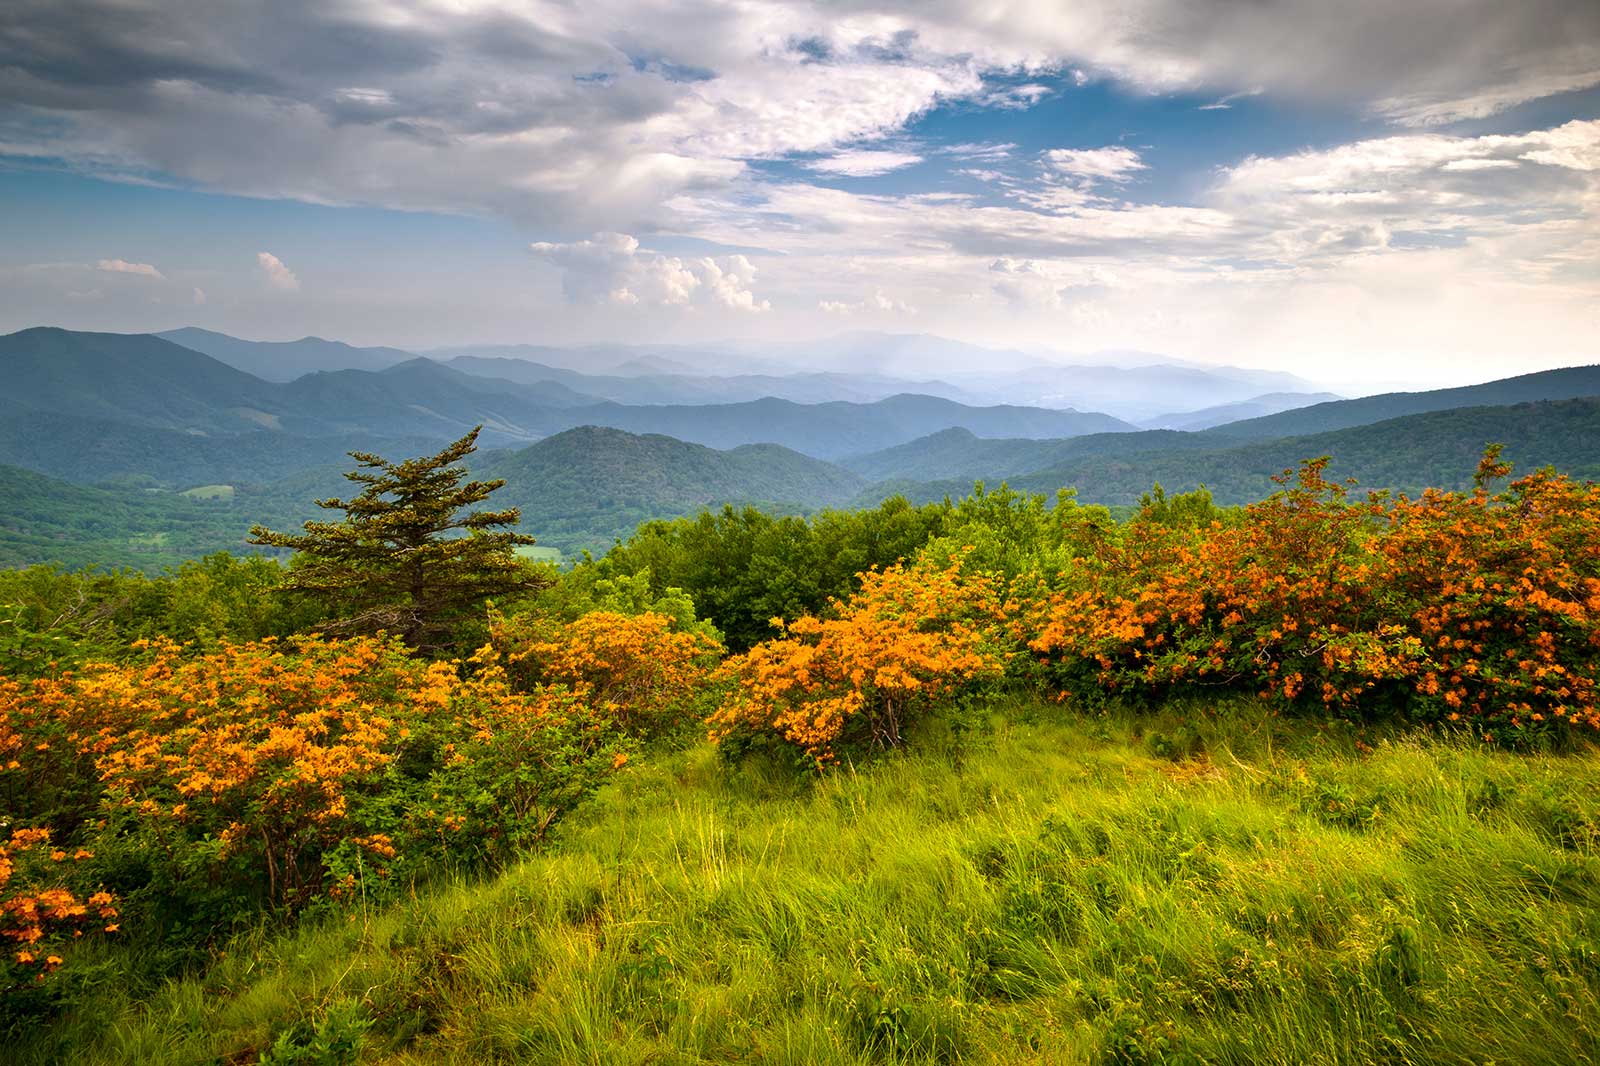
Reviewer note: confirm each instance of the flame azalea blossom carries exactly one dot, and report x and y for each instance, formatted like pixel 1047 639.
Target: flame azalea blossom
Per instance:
pixel 1472 607
pixel 284 771
pixel 862 676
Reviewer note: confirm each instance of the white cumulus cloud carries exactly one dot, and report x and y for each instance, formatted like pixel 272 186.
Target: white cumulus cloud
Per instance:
pixel 864 162
pixel 1113 163
pixel 612 268
pixel 876 303
pixel 278 275
pixel 122 266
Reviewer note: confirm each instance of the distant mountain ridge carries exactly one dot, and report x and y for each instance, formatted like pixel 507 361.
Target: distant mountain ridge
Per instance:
pixel 650 386
pixel 282 361
pixel 1564 384
pixel 1433 449
pixel 1256 407
pixel 865 366
pixel 859 367
pixel 838 429
pixel 134 378
pixel 958 453
pixel 145 381
pixel 966 456
pixel 1131 393
pixel 148 417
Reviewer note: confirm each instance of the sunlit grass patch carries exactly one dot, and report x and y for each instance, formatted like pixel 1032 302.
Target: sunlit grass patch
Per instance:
pixel 1063 889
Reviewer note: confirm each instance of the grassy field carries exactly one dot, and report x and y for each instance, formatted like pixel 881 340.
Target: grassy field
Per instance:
pixel 209 492
pixel 539 553
pixel 1183 887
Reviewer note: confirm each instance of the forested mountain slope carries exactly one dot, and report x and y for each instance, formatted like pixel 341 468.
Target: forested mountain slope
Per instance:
pixel 284 360
pixel 587 486
pixel 134 378
pixel 1407 454
pixel 1222 414
pixel 44 520
pixel 1564 384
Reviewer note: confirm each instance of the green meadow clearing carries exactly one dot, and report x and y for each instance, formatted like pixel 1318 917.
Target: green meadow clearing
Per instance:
pixel 1197 885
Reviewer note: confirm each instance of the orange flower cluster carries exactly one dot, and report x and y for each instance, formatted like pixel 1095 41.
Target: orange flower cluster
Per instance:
pixel 38 910
pixel 907 637
pixel 639 670
pixel 277 768
pixel 1452 606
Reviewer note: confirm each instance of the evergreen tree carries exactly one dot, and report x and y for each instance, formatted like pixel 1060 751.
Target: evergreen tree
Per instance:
pixel 405 558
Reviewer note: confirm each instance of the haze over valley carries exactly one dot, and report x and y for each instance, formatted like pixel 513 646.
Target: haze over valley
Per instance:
pixel 194 435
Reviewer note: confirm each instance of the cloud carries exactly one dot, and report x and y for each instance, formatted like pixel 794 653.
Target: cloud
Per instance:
pixel 122 266
pixel 596 120
pixel 573 117
pixel 1071 177
pixel 1413 63
pixel 1363 229
pixel 584 117
pixel 987 153
pixel 1479 164
pixel 1416 177
pixel 1026 283
pixel 198 297
pixel 611 268
pixel 863 163
pixel 278 275
pixel 1432 108
pixel 1014 97
pixel 1107 164
pixel 1226 102
pixel 876 303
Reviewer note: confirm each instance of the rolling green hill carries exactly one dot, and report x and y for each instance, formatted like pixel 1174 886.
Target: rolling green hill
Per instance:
pixel 48 521
pixel 585 487
pixel 580 489
pixel 1565 384
pixel 956 453
pixel 137 379
pixel 1438 449
pixel 99 451
pixel 138 413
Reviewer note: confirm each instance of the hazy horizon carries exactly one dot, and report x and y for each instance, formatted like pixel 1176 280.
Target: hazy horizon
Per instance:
pixel 1363 196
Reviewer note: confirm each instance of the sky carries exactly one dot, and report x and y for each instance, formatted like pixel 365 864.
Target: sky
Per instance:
pixel 1362 191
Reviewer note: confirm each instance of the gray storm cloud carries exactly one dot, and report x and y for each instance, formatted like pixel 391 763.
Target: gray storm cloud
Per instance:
pixel 596 115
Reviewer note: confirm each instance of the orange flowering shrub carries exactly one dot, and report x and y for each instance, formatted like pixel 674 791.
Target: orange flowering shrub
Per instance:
pixel 274 774
pixel 861 677
pixel 505 765
pixel 643 671
pixel 1454 605
pixel 42 910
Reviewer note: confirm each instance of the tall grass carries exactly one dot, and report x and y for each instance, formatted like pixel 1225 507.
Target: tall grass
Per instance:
pixel 1196 886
